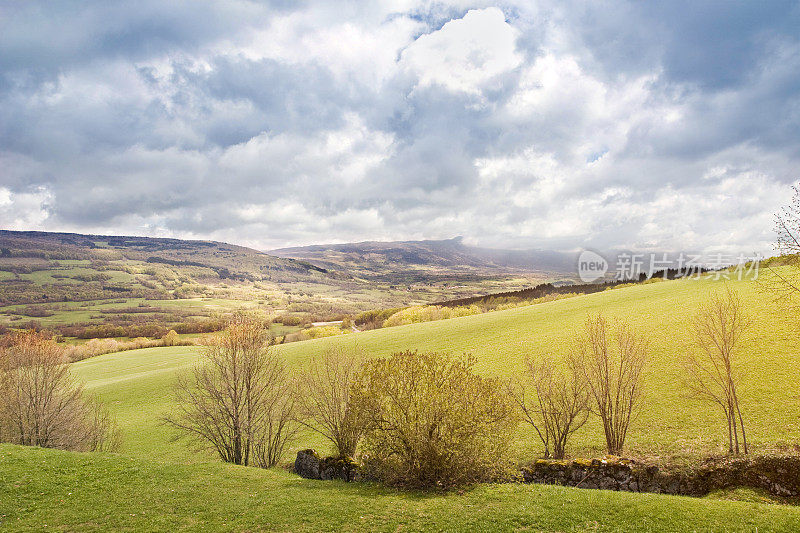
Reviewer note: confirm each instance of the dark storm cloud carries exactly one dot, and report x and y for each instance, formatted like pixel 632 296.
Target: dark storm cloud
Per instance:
pixel 551 124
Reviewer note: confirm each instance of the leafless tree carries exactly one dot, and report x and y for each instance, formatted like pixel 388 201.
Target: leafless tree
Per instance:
pixel 239 400
pixel 324 400
pixel 784 283
pixel 560 406
pixel 611 360
pixel 41 403
pixel 712 372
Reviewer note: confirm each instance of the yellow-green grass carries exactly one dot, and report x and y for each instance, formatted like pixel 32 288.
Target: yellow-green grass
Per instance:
pixel 43 490
pixel 137 386
pixel 157 484
pixel 669 423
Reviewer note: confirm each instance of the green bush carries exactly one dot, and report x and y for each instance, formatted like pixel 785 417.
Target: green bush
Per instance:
pixel 428 313
pixel 431 421
pixel 318 332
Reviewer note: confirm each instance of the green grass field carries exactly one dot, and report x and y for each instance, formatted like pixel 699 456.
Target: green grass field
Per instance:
pixel 159 484
pixel 43 490
pixel 669 423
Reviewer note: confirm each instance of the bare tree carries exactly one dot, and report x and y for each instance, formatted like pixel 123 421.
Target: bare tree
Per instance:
pixel 324 400
pixel 239 400
pixel 784 283
pixel 561 404
pixel 41 403
pixel 712 373
pixel 277 430
pixel 611 360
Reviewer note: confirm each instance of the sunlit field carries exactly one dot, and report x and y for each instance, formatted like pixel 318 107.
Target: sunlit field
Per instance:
pixel 137 384
pixel 157 482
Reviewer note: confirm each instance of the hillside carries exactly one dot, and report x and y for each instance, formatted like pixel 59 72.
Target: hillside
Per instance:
pixel 55 279
pixel 412 260
pixel 213 259
pixel 137 384
pixel 40 267
pixel 159 484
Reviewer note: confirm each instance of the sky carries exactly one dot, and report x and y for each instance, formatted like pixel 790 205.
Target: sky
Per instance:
pixel 555 124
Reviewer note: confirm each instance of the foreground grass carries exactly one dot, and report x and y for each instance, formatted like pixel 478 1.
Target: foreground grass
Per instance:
pixel 47 489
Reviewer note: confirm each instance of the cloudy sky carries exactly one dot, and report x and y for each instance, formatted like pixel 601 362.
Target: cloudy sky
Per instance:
pixel 553 125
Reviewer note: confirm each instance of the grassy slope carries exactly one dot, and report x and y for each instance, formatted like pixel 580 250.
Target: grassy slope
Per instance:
pixel 669 422
pixel 501 340
pixel 44 489
pixel 137 387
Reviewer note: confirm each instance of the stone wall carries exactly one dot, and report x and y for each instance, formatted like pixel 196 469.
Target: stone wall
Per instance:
pixel 779 476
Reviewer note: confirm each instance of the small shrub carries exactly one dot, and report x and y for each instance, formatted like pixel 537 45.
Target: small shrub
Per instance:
pixel 170 339
pixel 291 320
pixel 324 400
pixel 431 421
pixel 428 313
pixel 323 331
pixel 374 318
pixel 35 311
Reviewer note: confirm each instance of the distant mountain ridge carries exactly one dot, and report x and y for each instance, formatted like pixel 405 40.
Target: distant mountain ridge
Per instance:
pixel 46 269
pixel 226 260
pixel 370 258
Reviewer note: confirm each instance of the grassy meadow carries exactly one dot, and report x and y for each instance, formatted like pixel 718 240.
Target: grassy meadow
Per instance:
pixel 156 483
pixel 42 490
pixel 136 384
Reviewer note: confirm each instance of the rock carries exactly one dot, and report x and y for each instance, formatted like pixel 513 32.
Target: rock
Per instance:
pixel 307 464
pixel 608 483
pixel 343 468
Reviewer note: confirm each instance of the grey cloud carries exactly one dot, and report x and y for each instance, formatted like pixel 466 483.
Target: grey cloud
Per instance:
pixel 173 118
pixel 53 36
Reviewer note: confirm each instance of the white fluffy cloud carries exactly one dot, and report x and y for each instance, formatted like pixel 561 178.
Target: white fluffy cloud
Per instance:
pixel 553 125
pixel 466 54
pixel 25 210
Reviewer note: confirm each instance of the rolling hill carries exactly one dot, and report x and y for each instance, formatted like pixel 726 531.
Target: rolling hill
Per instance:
pixel 158 484
pixel 56 279
pixel 212 259
pixel 502 339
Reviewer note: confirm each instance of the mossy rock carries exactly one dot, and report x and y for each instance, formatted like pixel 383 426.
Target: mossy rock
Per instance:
pixel 307 464
pixel 344 468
